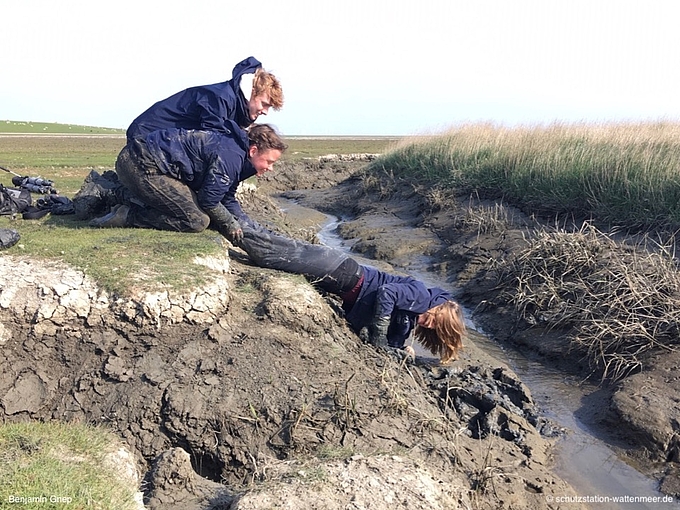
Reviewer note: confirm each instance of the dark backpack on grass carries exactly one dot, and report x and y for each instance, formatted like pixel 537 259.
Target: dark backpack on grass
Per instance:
pixel 8 237
pixel 14 201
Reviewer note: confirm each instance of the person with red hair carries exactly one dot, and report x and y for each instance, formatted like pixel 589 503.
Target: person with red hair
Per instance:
pixel 227 107
pixel 383 308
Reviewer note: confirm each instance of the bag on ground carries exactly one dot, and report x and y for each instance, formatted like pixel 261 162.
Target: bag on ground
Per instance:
pixel 8 237
pixel 14 201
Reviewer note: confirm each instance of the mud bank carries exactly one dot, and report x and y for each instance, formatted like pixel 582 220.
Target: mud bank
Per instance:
pixel 272 398
pixel 399 222
pixel 252 392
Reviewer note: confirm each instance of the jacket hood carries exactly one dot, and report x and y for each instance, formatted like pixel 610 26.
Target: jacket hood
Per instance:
pixel 439 296
pixel 247 66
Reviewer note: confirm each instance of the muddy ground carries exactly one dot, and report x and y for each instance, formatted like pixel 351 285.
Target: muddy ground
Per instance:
pixel 275 403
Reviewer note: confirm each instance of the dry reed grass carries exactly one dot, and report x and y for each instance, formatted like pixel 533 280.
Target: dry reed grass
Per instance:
pixel 623 174
pixel 620 302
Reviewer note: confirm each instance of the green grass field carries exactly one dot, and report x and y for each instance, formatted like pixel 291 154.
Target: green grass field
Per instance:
pixel 13 126
pixel 116 258
pixel 23 150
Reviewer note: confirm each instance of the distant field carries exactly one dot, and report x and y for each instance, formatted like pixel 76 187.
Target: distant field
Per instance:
pixel 13 126
pixel 66 153
pixel 45 147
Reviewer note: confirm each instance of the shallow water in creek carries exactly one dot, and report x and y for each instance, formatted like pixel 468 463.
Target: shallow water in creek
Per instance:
pixel 584 460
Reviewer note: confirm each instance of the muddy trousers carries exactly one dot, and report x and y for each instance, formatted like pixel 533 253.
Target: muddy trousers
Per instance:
pixel 169 204
pixel 328 268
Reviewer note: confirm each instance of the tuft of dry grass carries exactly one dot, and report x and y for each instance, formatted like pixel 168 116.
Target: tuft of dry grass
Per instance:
pixel 485 219
pixel 620 302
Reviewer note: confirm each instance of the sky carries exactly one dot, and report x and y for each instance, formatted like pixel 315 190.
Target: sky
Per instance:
pixel 348 67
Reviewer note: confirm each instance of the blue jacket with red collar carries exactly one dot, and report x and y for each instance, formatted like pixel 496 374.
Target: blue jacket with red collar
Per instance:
pixel 402 298
pixel 219 107
pixel 210 163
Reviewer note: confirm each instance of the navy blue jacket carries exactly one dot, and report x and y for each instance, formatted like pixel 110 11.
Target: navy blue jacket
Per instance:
pixel 401 297
pixel 219 107
pixel 210 163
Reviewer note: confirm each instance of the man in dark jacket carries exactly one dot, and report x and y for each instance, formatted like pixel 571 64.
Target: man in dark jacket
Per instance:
pixel 187 179
pixel 226 108
pixel 223 107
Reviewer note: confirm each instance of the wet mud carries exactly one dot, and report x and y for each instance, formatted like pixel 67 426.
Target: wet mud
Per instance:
pixel 272 398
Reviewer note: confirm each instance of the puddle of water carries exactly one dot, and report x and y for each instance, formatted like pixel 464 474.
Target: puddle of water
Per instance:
pixel 589 465
pixel 583 460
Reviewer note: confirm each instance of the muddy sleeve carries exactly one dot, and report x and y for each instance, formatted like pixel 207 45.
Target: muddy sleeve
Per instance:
pixel 269 249
pixel 229 201
pixel 224 222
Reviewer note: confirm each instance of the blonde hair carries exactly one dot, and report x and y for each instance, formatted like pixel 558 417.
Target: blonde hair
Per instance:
pixel 445 339
pixel 265 82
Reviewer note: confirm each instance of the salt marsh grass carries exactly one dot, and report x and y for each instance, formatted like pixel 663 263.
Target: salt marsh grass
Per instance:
pixel 60 465
pixel 622 174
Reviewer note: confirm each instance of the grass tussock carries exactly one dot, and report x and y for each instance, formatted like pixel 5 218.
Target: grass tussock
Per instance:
pixel 485 219
pixel 619 301
pixel 621 174
pixel 54 465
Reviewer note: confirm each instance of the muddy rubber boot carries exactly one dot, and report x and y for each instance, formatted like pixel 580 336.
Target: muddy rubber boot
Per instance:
pixel 97 194
pixel 117 218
